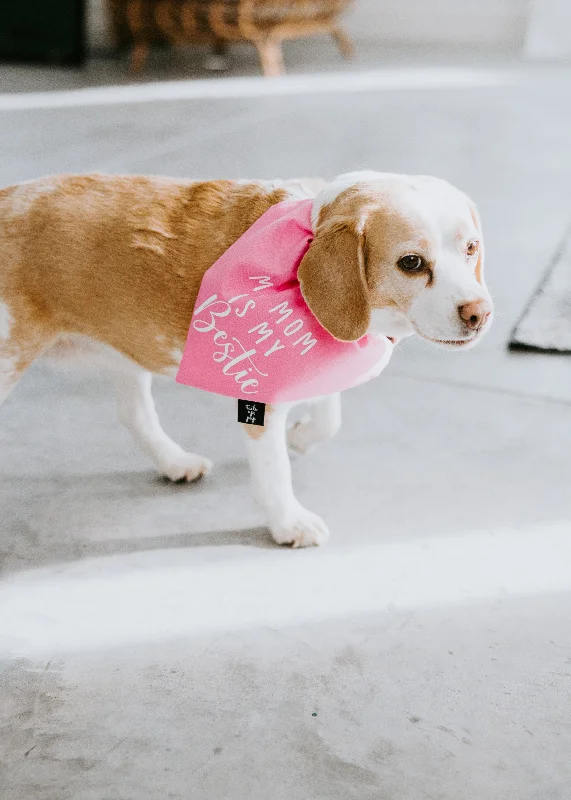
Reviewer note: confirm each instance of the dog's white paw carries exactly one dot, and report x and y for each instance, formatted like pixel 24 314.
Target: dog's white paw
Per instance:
pixel 301 436
pixel 300 528
pixel 184 466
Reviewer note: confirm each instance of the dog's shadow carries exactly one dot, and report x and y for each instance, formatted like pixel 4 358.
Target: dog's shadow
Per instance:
pixel 61 518
pixel 249 537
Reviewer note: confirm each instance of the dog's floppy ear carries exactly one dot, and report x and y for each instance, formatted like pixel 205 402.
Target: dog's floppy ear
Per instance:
pixel 479 271
pixel 333 280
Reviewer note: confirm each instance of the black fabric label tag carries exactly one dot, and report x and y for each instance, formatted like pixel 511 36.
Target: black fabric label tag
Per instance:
pixel 251 413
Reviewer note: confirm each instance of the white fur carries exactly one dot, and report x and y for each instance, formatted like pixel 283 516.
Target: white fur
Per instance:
pixel 336 187
pixel 175 353
pixel 390 322
pixel 176 356
pixel 28 192
pixel 320 424
pixel 434 313
pixel 7 357
pixel 6 321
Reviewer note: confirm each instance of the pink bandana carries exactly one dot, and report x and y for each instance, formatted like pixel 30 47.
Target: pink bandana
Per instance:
pixel 252 334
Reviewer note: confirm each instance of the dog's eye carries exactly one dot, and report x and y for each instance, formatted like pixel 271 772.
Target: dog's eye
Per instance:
pixel 411 263
pixel 472 248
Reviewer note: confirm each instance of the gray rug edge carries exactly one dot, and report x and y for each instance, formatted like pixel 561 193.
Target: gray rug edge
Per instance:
pixel 519 339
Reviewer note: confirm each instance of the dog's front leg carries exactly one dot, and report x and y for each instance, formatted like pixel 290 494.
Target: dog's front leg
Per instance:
pixel 289 521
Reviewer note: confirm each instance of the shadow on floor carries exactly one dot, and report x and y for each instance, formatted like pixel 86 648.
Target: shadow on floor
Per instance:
pixel 60 518
pixel 250 537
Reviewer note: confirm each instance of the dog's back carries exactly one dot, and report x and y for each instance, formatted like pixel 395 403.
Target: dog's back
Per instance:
pixel 119 259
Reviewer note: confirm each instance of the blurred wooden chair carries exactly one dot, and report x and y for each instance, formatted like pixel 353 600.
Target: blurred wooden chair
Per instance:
pixel 264 23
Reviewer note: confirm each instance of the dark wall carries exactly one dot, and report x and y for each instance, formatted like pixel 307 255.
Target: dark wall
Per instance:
pixel 42 30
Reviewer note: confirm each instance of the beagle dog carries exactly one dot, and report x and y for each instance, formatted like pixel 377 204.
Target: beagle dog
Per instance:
pixel 109 267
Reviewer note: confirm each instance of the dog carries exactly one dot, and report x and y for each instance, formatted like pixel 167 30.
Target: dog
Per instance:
pixel 109 268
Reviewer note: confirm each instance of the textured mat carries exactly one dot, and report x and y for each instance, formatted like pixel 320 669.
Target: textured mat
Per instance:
pixel 546 322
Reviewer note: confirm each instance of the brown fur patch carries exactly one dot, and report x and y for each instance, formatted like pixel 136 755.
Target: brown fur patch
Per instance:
pixel 119 259
pixel 333 282
pixel 389 286
pixel 31 328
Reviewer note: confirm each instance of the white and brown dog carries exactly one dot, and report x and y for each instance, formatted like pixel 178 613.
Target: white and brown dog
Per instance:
pixel 114 265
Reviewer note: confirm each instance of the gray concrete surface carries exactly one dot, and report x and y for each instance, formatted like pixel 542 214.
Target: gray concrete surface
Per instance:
pixel 156 645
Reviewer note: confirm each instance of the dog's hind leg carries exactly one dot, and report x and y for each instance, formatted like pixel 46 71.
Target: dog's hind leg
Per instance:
pixel 320 424
pixel 137 412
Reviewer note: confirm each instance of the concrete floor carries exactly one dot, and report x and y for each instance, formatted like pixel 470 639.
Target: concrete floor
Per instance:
pixel 156 645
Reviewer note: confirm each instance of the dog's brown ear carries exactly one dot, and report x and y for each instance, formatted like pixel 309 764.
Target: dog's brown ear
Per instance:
pixel 333 281
pixel 479 271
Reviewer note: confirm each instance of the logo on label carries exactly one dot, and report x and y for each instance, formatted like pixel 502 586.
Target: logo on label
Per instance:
pixel 251 413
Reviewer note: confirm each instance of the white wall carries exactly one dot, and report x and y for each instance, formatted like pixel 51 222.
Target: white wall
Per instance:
pixel 482 22
pixel 549 31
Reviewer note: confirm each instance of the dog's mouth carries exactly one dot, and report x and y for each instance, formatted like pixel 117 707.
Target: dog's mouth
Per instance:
pixel 453 343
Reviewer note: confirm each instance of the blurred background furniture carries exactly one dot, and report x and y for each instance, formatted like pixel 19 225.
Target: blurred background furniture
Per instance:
pixel 264 23
pixel 43 32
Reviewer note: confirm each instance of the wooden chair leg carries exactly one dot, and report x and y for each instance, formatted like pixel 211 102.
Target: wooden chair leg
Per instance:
pixel 167 23
pixel 114 24
pixel 135 20
pixel 344 43
pixel 271 57
pixel 139 55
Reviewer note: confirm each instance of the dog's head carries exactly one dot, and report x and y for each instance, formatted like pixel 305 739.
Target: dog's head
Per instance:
pixel 397 254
